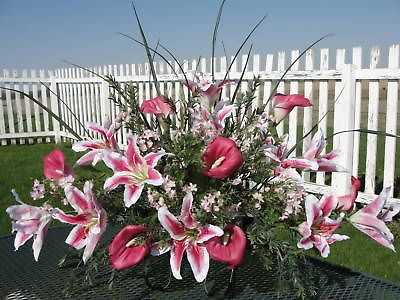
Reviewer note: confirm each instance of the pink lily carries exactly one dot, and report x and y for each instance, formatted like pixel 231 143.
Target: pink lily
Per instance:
pixel 325 161
pixel 284 104
pixel 97 148
pixel 318 230
pixel 188 236
pixel 371 220
pixel 133 171
pixel 347 202
pixel 90 220
pixel 208 91
pixel 286 166
pixel 30 222
pixel 157 106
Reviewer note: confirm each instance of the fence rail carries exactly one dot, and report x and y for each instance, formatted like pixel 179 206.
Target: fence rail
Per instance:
pixel 352 96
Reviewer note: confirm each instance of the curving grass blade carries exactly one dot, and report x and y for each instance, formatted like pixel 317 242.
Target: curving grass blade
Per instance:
pixel 49 111
pixel 214 38
pixel 149 57
pixel 241 75
pixel 377 132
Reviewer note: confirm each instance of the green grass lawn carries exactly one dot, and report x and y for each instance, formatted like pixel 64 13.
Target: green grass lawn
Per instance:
pixel 20 164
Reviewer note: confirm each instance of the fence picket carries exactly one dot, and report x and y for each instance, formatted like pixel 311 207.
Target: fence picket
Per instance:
pixel 18 107
pixel 10 113
pixel 357 62
pixel 294 89
pixel 373 112
pixel 391 120
pixel 281 87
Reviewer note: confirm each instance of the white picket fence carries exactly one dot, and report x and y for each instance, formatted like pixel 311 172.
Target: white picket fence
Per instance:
pixel 365 98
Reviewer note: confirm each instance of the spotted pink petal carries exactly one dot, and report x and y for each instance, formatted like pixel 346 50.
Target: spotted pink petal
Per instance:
pixel 117 162
pixel 97 128
pixel 325 165
pixel 91 245
pixel 373 227
pixel 76 199
pixel 376 206
pixel 300 163
pixel 155 178
pixel 24 211
pixel 337 238
pixel 225 112
pixel 132 193
pixel 82 219
pixel 77 237
pixel 322 245
pixel 159 248
pixel 305 243
pixel 316 146
pixel 313 210
pixel 186 211
pixel 177 250
pixel 199 261
pixel 38 239
pixel 153 158
pixel 133 153
pixel 88 145
pixel 208 232
pixel 92 157
pixel 327 204
pixel 117 179
pixel 284 104
pixel 389 212
pixel 305 229
pixel 26 226
pixel 332 155
pixel 21 239
pixel 54 166
pixel 171 223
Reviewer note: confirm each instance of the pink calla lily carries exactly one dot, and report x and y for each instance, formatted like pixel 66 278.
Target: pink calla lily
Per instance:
pixel 90 220
pixel 157 106
pixel 318 230
pixel 187 236
pixel 133 171
pixel 284 104
pixel 371 220
pixel 97 148
pixel 347 202
pixel 30 222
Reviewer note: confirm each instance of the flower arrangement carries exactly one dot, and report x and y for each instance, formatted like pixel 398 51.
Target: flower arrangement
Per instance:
pixel 211 181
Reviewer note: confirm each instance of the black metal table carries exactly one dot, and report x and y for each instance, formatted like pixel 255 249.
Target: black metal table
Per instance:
pixel 22 278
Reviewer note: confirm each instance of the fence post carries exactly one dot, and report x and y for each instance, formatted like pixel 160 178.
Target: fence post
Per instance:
pixel 104 101
pixel 54 106
pixel 344 115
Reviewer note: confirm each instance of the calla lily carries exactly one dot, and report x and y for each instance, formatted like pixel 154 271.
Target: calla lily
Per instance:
pixel 188 236
pixel 129 247
pixel 30 222
pixel 90 220
pixel 157 106
pixel 229 248
pixel 326 161
pixel 221 157
pixel 133 171
pixel 318 230
pixel 346 202
pixel 284 104
pixel 56 169
pixel 371 220
pixel 97 148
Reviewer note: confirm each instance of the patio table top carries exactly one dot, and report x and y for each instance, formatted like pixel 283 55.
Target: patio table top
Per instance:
pixel 22 278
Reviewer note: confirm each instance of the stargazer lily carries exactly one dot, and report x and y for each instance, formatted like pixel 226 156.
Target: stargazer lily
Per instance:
pixel 284 104
pixel 325 161
pixel 318 230
pixel 90 220
pixel 208 91
pixel 285 167
pixel 30 222
pixel 133 171
pixel 371 220
pixel 188 236
pixel 97 148
pixel 157 106
pixel 347 202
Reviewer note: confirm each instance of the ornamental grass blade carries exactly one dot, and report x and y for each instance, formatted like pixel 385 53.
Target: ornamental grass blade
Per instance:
pixel 85 69
pixel 214 39
pixel 241 75
pixel 68 108
pixel 146 46
pixel 291 65
pixel 48 110
pixel 377 132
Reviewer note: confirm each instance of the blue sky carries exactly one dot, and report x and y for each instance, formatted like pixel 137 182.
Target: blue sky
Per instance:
pixel 37 34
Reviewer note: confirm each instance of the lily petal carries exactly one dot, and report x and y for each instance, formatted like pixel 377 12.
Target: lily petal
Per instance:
pixel 117 179
pixel 77 237
pixel 117 162
pixel 171 223
pixel 21 239
pixel 177 250
pixel 132 193
pixel 186 211
pixel 207 232
pixel 199 261
pixel 375 207
pixel 153 157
